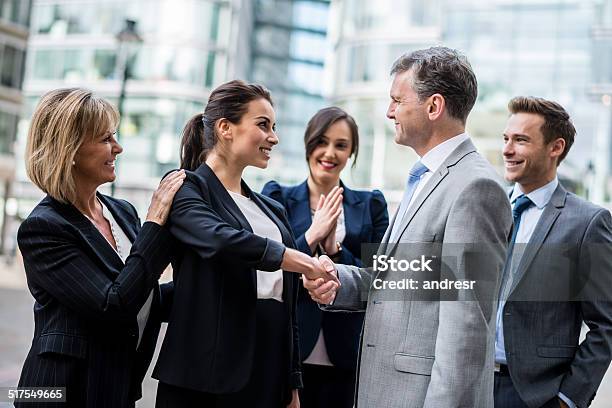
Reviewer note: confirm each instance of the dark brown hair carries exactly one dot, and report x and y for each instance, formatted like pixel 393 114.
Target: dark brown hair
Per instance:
pixel 321 121
pixel 228 101
pixel 557 122
pixel 443 71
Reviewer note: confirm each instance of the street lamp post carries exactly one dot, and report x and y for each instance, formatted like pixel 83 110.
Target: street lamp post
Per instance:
pixel 129 43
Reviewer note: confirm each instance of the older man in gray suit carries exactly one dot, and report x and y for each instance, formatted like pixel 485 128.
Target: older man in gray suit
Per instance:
pixel 557 274
pixel 433 351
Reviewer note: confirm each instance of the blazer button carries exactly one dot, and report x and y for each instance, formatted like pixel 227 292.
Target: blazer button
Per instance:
pixel 507 313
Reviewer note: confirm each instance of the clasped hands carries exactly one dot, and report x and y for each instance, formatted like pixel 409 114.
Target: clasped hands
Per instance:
pixel 322 231
pixel 322 287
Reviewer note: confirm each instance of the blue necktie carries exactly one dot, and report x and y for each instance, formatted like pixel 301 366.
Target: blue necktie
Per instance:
pixel 416 173
pixel 520 205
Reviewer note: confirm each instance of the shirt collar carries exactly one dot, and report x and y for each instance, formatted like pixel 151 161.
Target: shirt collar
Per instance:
pixel 540 196
pixel 434 158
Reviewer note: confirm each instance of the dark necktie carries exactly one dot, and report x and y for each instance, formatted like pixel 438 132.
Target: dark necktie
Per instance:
pixel 520 205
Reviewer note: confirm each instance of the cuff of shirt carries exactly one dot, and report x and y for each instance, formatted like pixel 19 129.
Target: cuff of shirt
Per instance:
pixel 568 401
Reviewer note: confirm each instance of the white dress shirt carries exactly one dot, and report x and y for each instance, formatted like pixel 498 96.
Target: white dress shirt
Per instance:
pixel 269 284
pixel 434 158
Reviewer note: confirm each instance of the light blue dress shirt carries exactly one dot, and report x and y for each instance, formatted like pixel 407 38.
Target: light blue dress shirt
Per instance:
pixel 529 220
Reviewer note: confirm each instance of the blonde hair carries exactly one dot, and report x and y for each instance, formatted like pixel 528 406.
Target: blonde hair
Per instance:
pixel 62 121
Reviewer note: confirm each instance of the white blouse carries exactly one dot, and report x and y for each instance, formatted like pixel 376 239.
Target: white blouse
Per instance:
pixel 124 246
pixel 269 284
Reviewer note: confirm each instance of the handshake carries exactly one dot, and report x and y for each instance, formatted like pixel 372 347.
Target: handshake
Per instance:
pixel 323 284
pixel 319 274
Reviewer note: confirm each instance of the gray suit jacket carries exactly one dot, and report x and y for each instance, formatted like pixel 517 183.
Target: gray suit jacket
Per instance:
pixel 418 351
pixel 569 257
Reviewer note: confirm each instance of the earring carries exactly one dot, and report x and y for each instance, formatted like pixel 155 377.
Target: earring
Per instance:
pixel 73 162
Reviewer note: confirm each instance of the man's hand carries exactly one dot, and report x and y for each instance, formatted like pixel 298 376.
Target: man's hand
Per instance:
pixel 323 289
pixel 563 404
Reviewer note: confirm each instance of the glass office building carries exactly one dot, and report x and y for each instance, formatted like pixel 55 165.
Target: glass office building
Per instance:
pixel 289 48
pixel 189 46
pixel 14 31
pixel 516 47
pixel 14 22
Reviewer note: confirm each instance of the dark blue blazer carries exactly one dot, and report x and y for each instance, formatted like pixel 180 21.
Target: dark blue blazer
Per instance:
pixel 87 300
pixel 366 220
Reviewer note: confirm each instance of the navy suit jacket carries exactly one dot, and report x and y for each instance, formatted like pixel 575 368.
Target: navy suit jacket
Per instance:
pixel 87 300
pixel 210 341
pixel 366 220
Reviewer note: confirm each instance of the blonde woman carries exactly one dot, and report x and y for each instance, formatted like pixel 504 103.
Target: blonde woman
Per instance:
pixel 90 266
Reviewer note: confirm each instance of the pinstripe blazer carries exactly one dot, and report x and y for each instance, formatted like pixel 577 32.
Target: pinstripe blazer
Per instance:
pixel 87 300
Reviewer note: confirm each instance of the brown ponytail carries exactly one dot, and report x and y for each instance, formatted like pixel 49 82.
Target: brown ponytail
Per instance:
pixel 228 101
pixel 192 144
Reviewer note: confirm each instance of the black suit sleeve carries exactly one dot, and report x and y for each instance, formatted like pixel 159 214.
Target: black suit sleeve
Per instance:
pixel 166 299
pixel 194 222
pixel 595 353
pixel 56 262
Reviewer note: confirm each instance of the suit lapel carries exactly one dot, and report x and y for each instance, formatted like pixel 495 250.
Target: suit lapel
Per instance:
pixel 121 216
pixel 220 192
pixel 549 216
pixel 298 206
pixel 459 153
pixel 353 211
pixel 94 239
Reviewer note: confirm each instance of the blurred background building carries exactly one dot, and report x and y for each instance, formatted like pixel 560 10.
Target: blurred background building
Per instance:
pixel 546 48
pixel 14 29
pixel 310 54
pixel 289 49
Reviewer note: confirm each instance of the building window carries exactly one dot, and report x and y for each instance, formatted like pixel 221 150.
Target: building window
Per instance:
pixel 10 71
pixel 8 129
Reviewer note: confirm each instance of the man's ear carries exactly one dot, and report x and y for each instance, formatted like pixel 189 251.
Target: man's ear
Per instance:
pixel 436 105
pixel 557 147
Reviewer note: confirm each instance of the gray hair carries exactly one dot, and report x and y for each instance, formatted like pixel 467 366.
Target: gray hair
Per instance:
pixel 443 71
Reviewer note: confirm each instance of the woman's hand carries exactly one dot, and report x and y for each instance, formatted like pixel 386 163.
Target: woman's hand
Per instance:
pixel 311 268
pixel 329 242
pixel 325 217
pixel 163 196
pixel 295 400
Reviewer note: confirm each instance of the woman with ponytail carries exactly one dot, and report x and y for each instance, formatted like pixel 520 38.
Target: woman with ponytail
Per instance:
pixel 232 339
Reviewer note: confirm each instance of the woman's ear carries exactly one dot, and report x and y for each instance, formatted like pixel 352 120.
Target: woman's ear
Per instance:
pixel 224 129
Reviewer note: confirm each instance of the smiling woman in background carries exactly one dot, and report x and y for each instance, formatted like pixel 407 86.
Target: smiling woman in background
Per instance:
pixel 90 266
pixel 329 218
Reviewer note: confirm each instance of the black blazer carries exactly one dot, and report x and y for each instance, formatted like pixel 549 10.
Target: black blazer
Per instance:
pixel 366 220
pixel 210 341
pixel 87 300
pixel 570 249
